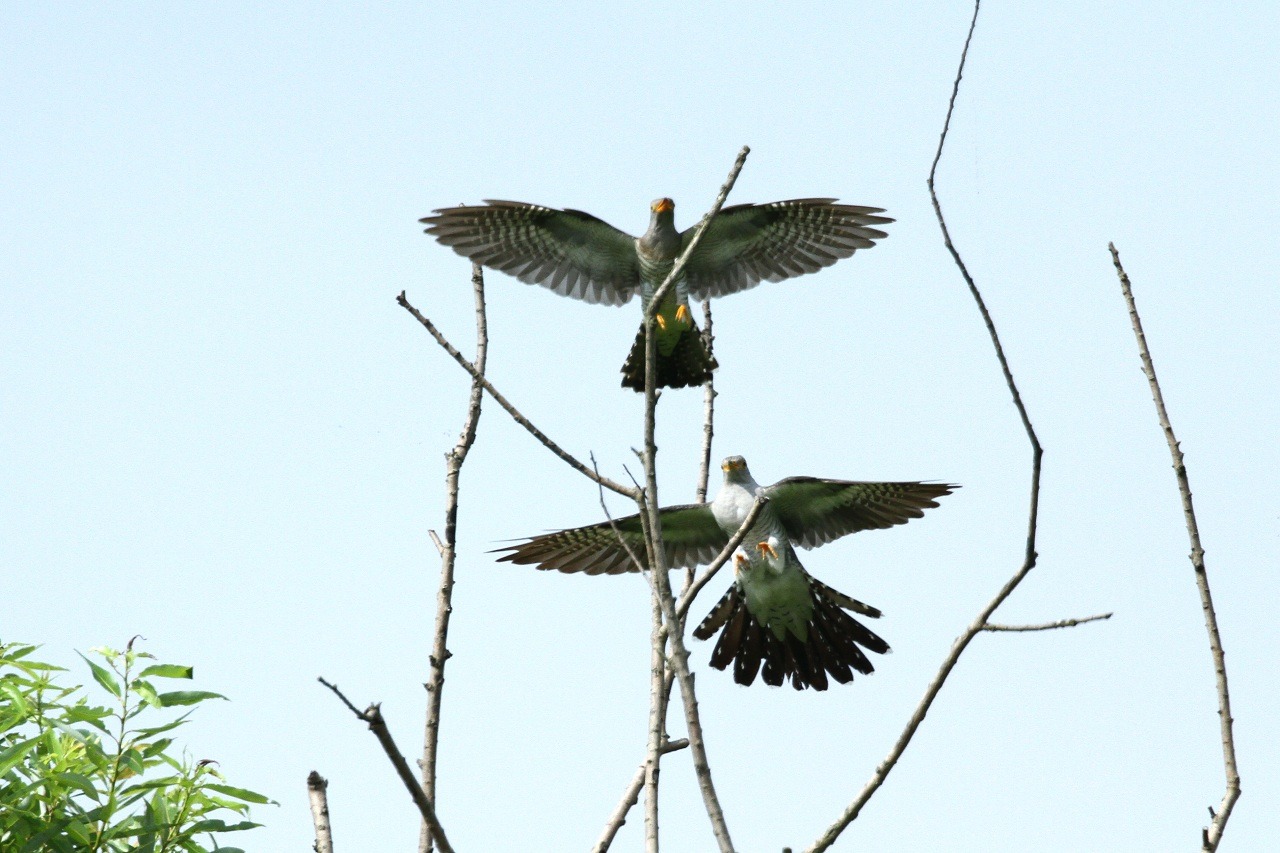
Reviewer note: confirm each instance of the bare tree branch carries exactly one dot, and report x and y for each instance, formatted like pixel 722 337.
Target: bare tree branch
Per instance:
pixel 510 409
pixel 1046 626
pixel 373 716
pixel 1029 559
pixel 708 406
pixel 629 798
pixel 674 627
pixel 659 696
pixel 1211 837
pixel 660 676
pixel 687 597
pixel 317 786
pixel 448 553
pixel 708 423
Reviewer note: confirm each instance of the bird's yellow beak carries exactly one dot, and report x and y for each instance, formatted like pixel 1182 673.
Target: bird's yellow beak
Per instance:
pixel 662 205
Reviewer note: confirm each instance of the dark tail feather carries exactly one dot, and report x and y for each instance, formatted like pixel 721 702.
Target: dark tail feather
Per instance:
pixel 688 364
pixel 834 646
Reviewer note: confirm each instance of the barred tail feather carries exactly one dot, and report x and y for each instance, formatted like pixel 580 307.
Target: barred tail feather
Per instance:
pixel 688 364
pixel 834 646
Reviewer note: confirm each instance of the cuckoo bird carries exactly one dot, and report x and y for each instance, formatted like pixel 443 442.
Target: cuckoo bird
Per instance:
pixel 775 613
pixel 575 254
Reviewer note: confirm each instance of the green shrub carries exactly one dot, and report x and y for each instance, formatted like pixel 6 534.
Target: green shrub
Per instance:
pixel 78 776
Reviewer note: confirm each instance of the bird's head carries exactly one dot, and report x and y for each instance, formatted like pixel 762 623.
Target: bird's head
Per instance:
pixel 735 470
pixel 662 239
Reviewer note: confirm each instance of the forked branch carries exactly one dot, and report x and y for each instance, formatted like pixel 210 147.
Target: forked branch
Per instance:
pixel 1029 555
pixel 440 653
pixel 373 716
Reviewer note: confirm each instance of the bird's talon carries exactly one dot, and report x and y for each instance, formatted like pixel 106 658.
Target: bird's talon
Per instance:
pixel 682 313
pixel 662 323
pixel 767 548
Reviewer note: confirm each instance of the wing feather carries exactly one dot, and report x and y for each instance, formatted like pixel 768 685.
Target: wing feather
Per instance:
pixel 816 511
pixel 689 532
pixel 749 243
pixel 568 251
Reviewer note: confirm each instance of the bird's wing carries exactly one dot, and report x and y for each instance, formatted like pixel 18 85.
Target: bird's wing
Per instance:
pixel 690 532
pixel 571 252
pixel 749 243
pixel 816 511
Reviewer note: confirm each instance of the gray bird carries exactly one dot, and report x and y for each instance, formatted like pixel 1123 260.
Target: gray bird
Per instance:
pixel 575 254
pixel 775 613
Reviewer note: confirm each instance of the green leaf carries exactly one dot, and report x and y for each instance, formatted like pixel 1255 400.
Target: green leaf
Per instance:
pixel 240 793
pixel 187 697
pixel 82 737
pixel 79 781
pixel 104 678
pixel 155 730
pixel 168 670
pixel 78 831
pixel 10 757
pixel 148 693
pixel 222 826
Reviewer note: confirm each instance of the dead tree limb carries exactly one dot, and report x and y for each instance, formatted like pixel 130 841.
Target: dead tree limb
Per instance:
pixel 373 716
pixel 1046 626
pixel 440 653
pixel 1211 836
pixel 1029 557
pixel 317 793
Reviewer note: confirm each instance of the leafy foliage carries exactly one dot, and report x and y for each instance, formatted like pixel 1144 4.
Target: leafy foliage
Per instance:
pixel 76 776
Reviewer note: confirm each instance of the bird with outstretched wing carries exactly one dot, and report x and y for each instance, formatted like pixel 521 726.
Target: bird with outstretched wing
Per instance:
pixel 775 614
pixel 578 255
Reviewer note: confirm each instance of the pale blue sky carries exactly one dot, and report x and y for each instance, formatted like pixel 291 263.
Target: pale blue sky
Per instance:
pixel 219 431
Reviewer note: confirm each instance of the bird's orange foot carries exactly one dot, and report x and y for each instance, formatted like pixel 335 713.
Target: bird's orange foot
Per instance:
pixel 662 323
pixel 766 548
pixel 682 313
pixel 740 563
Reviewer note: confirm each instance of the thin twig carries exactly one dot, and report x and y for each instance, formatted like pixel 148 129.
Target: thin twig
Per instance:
pixel 317 793
pixel 510 409
pixel 708 407
pixel 373 716
pixel 626 546
pixel 677 269
pixel 629 798
pixel 1047 626
pixel 1211 837
pixel 1029 558
pixel 440 653
pixel 687 597
pixel 708 423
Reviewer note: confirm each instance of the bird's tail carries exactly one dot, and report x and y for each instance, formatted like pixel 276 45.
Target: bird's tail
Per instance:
pixel 687 364
pixel 834 644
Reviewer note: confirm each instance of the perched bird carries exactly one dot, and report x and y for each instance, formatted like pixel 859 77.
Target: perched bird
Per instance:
pixel 575 254
pixel 776 613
